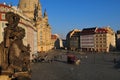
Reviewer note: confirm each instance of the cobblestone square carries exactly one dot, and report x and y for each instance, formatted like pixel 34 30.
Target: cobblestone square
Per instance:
pixel 92 67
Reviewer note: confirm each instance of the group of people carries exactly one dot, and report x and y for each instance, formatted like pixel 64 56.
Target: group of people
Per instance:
pixel 70 58
pixel 43 58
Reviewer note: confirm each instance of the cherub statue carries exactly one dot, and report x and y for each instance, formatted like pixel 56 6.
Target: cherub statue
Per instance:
pixel 14 49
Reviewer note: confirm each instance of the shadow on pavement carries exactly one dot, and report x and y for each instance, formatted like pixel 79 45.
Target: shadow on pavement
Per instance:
pixel 61 61
pixel 117 66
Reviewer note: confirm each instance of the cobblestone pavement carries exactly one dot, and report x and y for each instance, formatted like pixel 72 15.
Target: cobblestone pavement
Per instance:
pixel 92 67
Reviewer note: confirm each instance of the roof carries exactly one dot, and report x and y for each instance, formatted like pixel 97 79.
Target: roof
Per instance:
pixel 118 32
pixel 4 5
pixel 101 30
pixel 73 33
pixel 86 31
pixel 54 37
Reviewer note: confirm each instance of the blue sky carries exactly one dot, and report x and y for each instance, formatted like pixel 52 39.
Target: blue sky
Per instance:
pixel 65 15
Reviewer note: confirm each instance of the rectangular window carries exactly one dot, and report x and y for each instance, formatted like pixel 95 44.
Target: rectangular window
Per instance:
pixel 3 34
pixel 40 38
pixel 2 25
pixel 100 45
pixel 3 16
pixel 96 45
pixel 104 45
pixel 100 35
pixel 100 38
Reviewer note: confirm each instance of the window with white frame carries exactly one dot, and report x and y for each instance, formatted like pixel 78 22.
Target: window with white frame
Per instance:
pixel 3 34
pixel 3 25
pixel 3 16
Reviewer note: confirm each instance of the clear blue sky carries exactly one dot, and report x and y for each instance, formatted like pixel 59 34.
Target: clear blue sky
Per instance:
pixel 65 15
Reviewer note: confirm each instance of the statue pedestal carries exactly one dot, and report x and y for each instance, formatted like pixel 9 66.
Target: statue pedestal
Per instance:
pixel 22 75
pixel 7 75
pixel 4 77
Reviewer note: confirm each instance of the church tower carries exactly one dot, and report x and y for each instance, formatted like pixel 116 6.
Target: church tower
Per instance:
pixel 32 9
pixel 29 7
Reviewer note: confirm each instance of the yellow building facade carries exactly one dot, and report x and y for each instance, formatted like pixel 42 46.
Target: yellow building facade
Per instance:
pixel 105 40
pixel 73 39
pixel 98 39
pixel 32 9
pixel 28 6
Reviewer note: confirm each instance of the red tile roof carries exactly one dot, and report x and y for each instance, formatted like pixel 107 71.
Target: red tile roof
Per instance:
pixel 101 30
pixel 54 37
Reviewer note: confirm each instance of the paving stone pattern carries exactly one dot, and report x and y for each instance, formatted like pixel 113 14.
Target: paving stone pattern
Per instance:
pixel 92 67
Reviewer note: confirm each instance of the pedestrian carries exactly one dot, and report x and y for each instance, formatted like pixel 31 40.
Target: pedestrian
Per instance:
pixel 114 60
pixel 86 57
pixel 77 62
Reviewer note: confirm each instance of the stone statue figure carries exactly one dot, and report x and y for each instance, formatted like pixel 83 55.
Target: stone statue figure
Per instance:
pixel 16 54
pixel 35 13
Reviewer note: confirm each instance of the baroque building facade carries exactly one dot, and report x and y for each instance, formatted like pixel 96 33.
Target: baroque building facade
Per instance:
pixel 28 7
pixel 54 38
pixel 73 39
pixel 92 39
pixel 32 9
pixel 87 39
pixel 98 39
pixel 105 40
